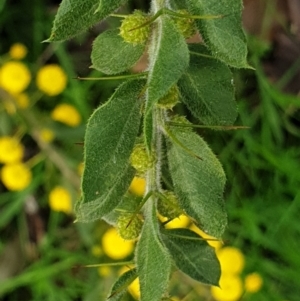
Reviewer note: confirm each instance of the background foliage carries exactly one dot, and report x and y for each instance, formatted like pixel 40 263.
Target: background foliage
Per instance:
pixel 43 251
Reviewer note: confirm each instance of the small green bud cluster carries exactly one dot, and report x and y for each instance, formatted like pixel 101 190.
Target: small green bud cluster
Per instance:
pixel 187 126
pixel 129 226
pixel 140 160
pixel 128 27
pixel 170 99
pixel 186 26
pixel 169 205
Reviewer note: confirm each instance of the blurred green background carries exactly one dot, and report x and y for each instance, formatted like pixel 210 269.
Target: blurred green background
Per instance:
pixel 43 253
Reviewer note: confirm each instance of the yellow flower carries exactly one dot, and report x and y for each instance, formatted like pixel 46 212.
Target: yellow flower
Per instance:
pixel 253 282
pixel 231 259
pixel 11 150
pixel 60 200
pixel 104 271
pixel 114 246
pixel 96 251
pixel 16 176
pixel 17 51
pixel 138 186
pixel 217 244
pixel 51 79
pixel 66 114
pixel 46 135
pixel 22 100
pixel 181 221
pixel 134 287
pixel 231 288
pixel 14 77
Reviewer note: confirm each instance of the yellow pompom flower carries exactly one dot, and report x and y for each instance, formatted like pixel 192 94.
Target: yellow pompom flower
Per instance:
pixel 231 288
pixel 14 77
pixel 47 135
pixel 138 186
pixel 181 221
pixel 11 150
pixel 134 286
pixel 253 283
pixel 16 176
pixel 22 100
pixel 104 271
pixel 114 246
pixel 212 241
pixel 17 51
pixel 231 259
pixel 51 79
pixel 66 114
pixel 60 200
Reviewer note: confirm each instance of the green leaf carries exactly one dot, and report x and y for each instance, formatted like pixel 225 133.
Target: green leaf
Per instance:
pixel 111 54
pixel 198 180
pixel 120 286
pixel 76 16
pixel 109 140
pixel 207 89
pixel 193 255
pixel 170 60
pixel 153 260
pixel 224 36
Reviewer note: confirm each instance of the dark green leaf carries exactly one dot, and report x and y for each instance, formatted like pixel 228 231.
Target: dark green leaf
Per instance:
pixel 76 16
pixel 199 183
pixel 109 140
pixel 170 60
pixel 120 286
pixel 111 54
pixel 193 255
pixel 224 36
pixel 207 89
pixel 153 261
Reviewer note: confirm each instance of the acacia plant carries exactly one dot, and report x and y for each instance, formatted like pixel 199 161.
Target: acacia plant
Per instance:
pixel 136 132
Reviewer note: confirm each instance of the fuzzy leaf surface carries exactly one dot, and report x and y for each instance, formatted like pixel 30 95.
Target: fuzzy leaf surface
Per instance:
pixel 76 16
pixel 224 36
pixel 120 286
pixel 207 90
pixel 192 255
pixel 170 60
pixel 199 181
pixel 109 140
pixel 112 55
pixel 152 258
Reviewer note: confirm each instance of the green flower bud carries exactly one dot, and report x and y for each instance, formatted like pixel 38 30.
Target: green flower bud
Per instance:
pixel 185 26
pixel 186 125
pixel 128 31
pixel 140 160
pixel 169 205
pixel 129 226
pixel 170 99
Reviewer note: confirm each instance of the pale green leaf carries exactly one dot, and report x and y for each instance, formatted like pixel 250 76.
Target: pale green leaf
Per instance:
pixel 224 36
pixel 111 54
pixel 109 140
pixel 170 58
pixel 207 88
pixel 76 16
pixel 153 260
pixel 193 255
pixel 199 181
pixel 120 286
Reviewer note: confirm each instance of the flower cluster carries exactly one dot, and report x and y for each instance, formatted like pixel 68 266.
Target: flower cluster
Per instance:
pixel 231 288
pixel 14 174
